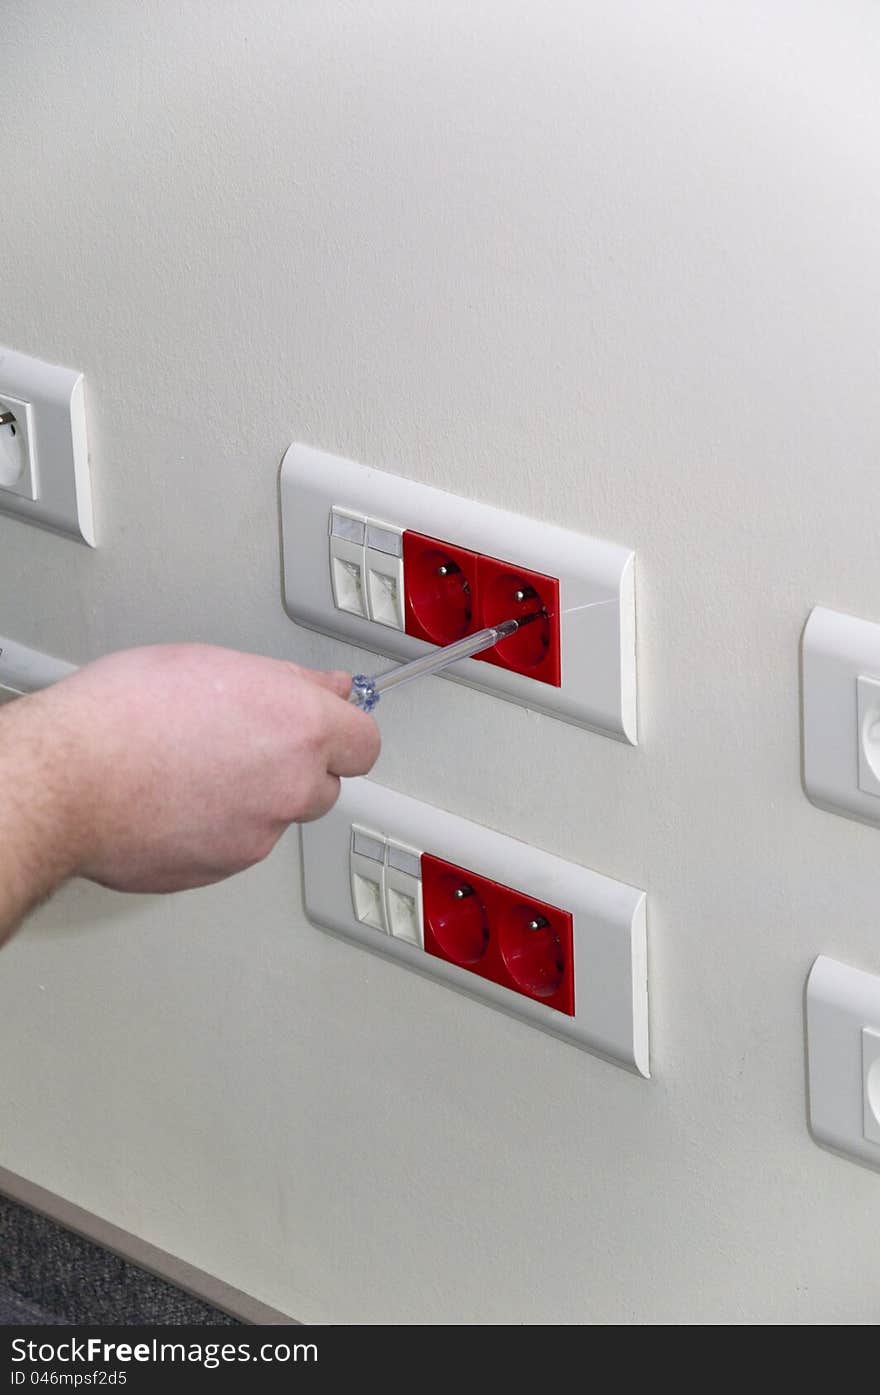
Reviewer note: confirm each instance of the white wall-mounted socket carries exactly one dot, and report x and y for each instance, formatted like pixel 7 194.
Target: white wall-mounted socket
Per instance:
pixel 841 714
pixel 843 1046
pixel 44 463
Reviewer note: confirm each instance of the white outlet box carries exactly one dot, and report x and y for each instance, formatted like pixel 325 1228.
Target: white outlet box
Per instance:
pixel 841 713
pixel 351 891
pixel 843 1045
pixel 596 582
pixel 44 463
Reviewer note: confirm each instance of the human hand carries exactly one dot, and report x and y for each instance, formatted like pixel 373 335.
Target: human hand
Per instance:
pixel 184 763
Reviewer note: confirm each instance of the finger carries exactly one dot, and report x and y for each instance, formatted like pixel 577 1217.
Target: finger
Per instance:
pixel 353 742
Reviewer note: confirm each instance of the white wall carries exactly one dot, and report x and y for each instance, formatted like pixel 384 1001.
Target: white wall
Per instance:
pixel 611 265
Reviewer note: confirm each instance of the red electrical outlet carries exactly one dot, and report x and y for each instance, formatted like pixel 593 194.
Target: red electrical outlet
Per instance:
pixel 440 583
pixel 450 592
pixel 505 592
pixel 498 933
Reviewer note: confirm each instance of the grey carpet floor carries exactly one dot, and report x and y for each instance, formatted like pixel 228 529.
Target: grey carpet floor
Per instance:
pixel 51 1275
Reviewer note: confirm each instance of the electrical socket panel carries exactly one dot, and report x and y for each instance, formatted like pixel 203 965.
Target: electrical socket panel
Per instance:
pixel 44 458
pixel 840 682
pixel 399 568
pixel 843 1059
pixel 559 946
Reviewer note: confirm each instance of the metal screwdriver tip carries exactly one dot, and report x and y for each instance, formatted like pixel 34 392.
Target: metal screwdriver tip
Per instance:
pixel 532 615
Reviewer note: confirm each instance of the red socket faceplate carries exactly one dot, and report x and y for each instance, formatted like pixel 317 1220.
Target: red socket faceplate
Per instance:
pixel 500 934
pixel 450 592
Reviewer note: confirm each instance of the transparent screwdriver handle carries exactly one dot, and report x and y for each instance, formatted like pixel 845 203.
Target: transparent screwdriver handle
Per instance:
pixel 365 692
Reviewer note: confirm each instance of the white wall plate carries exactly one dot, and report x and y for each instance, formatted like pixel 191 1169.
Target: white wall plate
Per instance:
pixel 843 1046
pixel 44 460
pixel 346 867
pixel 596 582
pixel 24 670
pixel 841 714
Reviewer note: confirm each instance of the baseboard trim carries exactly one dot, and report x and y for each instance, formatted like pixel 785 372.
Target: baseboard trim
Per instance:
pixel 141 1252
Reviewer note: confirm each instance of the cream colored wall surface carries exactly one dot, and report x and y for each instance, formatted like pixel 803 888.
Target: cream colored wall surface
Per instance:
pixel 614 266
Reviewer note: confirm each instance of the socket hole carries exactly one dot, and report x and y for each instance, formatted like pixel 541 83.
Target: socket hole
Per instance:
pixel 439 595
pixel 458 922
pixel 506 598
pixel 535 957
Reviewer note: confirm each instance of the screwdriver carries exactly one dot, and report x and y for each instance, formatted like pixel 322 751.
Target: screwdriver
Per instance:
pixel 366 692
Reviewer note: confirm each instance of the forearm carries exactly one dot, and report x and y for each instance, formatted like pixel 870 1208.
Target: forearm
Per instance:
pixel 38 822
